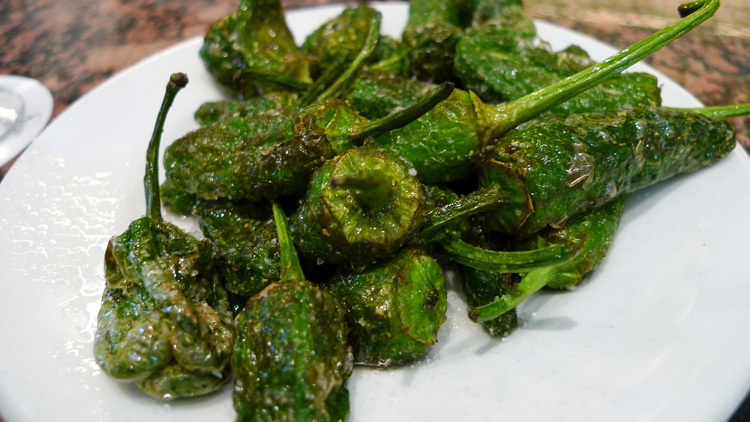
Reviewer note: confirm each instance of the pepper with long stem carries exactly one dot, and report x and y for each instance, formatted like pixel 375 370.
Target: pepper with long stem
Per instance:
pixel 165 320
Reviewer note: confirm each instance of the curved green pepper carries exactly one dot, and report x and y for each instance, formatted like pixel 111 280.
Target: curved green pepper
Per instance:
pixel 165 320
pixel 590 159
pixel 394 309
pixel 589 233
pixel 500 66
pixel 254 39
pixel 430 36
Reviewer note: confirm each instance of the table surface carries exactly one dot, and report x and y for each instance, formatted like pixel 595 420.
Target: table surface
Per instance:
pixel 72 46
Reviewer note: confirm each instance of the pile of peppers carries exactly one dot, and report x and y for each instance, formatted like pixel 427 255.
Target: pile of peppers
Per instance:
pixel 465 145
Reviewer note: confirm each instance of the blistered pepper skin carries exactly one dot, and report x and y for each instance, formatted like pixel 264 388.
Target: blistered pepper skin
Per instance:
pixel 254 38
pixel 394 309
pixel 341 38
pixel 590 232
pixel 569 164
pixel 273 104
pixel 291 358
pixel 500 66
pixel 162 310
pixel 246 244
pixel 223 161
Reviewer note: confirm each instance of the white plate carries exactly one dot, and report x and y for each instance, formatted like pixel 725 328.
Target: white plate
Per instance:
pixel 659 332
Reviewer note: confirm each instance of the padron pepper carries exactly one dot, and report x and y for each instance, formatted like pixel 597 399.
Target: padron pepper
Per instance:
pixel 507 15
pixel 590 233
pixel 254 40
pixel 222 161
pixel 431 34
pixel 501 66
pixel 445 143
pixel 592 158
pixel 291 358
pixel 165 321
pixel 393 309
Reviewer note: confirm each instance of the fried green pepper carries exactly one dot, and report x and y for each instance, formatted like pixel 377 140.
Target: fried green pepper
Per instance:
pixel 291 358
pixel 360 206
pixel 506 15
pixel 274 103
pixel 444 144
pixel 341 38
pixel 501 66
pixel 394 309
pixel 590 159
pixel 245 241
pixel 165 321
pixel 254 40
pixel 589 233
pixel 224 161
pixel 431 34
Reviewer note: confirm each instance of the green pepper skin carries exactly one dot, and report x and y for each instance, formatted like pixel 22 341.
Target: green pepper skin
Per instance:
pixel 394 309
pixel 569 164
pixel 342 37
pixel 376 94
pixel 255 38
pixel 333 225
pixel 506 14
pixel 246 244
pixel 590 232
pixel 431 34
pixel 442 145
pixel 163 307
pixel 291 358
pixel 223 161
pixel 499 66
pixel 275 103
pixel 482 287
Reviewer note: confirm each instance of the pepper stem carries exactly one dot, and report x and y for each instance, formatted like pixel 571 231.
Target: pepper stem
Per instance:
pixel 289 265
pixel 406 115
pixel 372 191
pixel 719 112
pixel 317 87
pixel 342 83
pixel 285 81
pixel 504 262
pixel 478 201
pixel 506 116
pixel 531 283
pixel 151 180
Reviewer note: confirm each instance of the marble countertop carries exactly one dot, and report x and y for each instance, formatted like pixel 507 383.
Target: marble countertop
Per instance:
pixel 72 46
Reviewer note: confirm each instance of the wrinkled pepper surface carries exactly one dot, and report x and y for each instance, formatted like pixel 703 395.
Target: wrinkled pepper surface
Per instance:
pixel 165 321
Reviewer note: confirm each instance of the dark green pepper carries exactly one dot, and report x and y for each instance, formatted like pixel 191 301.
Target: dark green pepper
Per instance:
pixel 589 233
pixel 291 358
pixel 341 38
pixel 274 103
pixel 165 320
pixel 590 159
pixel 500 66
pixel 227 160
pixel 394 309
pixel 431 34
pixel 246 244
pixel 253 40
pixel 507 15
pixel 444 144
